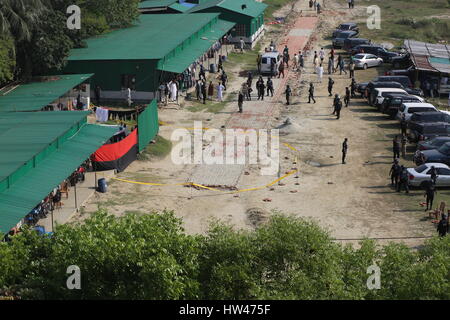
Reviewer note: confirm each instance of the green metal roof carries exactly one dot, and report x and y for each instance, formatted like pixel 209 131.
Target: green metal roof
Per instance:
pixel 153 37
pixel 23 196
pixel 155 3
pixel 254 8
pixel 36 95
pixel 25 134
pixel 179 7
pixel 183 59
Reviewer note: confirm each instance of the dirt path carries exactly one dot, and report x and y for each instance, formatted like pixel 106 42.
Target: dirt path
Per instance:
pixel 352 200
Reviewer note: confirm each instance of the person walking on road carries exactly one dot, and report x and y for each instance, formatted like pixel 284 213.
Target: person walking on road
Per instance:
pixel 288 94
pixel 342 67
pixel 269 86
pixel 344 150
pixel 330 65
pixel 240 100
pixel 330 86
pixel 320 73
pixel 311 93
pixel 396 147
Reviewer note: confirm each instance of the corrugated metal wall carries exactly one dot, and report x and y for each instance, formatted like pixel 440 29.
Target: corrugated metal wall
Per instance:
pixel 148 125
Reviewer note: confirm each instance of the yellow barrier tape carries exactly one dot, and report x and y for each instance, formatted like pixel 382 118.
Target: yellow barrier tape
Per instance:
pixel 205 187
pixel 290 147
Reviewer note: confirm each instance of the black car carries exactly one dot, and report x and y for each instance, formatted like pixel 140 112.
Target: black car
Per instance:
pixel 348 26
pixel 431 144
pixel 338 41
pixel 380 84
pixel 350 43
pixel 393 101
pixel 440 155
pixel 403 80
pixel 401 61
pixel 375 50
pixel 420 131
pixel 409 72
pixel 436 116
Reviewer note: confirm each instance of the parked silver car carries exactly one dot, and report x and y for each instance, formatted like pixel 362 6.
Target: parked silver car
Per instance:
pixel 418 177
pixel 366 60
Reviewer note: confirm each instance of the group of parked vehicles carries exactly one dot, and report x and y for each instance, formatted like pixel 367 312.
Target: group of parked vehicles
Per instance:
pixel 395 96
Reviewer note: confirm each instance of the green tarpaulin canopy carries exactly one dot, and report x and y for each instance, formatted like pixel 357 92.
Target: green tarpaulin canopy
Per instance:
pixel 29 190
pixel 36 95
pixel 199 46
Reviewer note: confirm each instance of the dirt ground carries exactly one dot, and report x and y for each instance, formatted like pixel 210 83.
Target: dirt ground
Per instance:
pixel 352 201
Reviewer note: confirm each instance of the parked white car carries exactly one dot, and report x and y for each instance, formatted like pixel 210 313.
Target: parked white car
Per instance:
pixel 378 94
pixel 409 108
pixel 366 60
pixel 266 61
pixel 418 177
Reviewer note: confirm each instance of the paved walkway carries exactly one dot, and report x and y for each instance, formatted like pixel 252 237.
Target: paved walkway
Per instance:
pixel 84 191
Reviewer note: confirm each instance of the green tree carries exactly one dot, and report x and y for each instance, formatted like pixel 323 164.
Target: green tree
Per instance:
pixel 7 59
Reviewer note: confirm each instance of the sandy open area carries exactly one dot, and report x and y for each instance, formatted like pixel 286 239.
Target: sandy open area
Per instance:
pixel 353 200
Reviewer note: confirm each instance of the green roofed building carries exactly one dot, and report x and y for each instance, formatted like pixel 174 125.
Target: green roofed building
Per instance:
pixel 247 14
pixel 43 149
pixel 139 57
pixel 44 91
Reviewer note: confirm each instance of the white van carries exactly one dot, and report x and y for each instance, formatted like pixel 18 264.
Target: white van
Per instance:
pixel 378 94
pixel 267 60
pixel 409 108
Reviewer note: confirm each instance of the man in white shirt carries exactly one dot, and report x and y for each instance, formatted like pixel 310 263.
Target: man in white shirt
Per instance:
pixel 241 45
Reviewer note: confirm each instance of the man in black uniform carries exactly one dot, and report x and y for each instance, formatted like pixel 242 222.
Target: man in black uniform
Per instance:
pixel 433 173
pixel 443 226
pixel 344 150
pixel 311 93
pixel 394 172
pixel 429 194
pixel 353 88
pixel 338 107
pixel 288 93
pixel 203 87
pixel 330 86
pixel 259 88
pixel 240 101
pixel 269 87
pixel 403 180
pixel 403 124
pixel 336 98
pixel 396 147
pixel 347 96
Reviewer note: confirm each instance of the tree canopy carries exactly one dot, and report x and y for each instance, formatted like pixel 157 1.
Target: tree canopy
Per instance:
pixel 151 257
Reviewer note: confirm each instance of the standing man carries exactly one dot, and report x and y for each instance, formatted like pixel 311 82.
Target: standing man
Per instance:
pixel 220 89
pixel 338 108
pixel 272 67
pixel 260 88
pixel 335 100
pixel 403 180
pixel 286 58
pixel 394 173
pixel 344 150
pixel 342 67
pixel 429 194
pixel 443 226
pixel 210 90
pixel 320 73
pixel 351 67
pixel 311 93
pixel 321 55
pixel 241 45
pixel 433 174
pixel 240 101
pixel 353 88
pixel 224 79
pixel 288 93
pixel 203 87
pixel 301 61
pixel 295 61
pixel 396 147
pixel 330 86
pixel 281 70
pixel 315 61
pixel 347 97
pixel 269 87
pixel 330 65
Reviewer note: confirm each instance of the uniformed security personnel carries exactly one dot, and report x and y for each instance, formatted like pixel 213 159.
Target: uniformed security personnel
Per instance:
pixel 403 180
pixel 344 150
pixel 395 173
pixel 347 96
pixel 311 93
pixel 396 148
pixel 338 107
pixel 353 88
pixel 330 86
pixel 269 86
pixel 288 93
pixel 433 173
pixel 429 194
